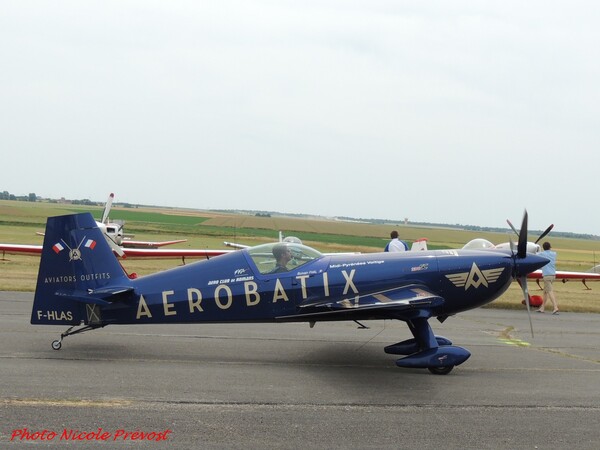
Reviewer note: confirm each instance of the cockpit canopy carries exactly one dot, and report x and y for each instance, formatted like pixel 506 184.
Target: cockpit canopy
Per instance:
pixel 479 244
pixel 274 258
pixel 484 244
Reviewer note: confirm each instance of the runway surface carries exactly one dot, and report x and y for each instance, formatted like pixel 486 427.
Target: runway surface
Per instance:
pixel 289 386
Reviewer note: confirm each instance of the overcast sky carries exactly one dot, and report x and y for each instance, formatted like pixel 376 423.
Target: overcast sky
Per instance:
pixel 439 111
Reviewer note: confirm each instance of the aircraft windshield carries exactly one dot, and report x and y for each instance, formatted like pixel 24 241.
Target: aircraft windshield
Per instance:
pixel 281 257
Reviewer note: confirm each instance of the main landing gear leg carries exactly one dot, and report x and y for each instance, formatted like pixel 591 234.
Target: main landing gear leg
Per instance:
pixel 57 344
pixel 428 351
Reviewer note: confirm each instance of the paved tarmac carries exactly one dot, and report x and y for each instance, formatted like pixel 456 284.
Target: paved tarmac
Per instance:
pixel 288 386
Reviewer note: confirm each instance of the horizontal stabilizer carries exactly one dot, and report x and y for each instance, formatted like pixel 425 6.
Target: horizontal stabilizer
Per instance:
pixel 103 296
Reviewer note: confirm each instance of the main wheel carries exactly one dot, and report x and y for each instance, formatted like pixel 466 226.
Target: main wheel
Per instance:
pixel 442 370
pixel 56 345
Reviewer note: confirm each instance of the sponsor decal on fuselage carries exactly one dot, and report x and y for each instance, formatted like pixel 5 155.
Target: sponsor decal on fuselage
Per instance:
pixel 222 294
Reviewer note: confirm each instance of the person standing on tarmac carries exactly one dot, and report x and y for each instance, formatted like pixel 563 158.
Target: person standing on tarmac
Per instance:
pixel 549 274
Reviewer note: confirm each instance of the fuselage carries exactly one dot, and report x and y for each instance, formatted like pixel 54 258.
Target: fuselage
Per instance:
pixel 231 288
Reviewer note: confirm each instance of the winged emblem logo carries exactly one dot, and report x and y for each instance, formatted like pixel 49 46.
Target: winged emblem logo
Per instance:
pixel 475 277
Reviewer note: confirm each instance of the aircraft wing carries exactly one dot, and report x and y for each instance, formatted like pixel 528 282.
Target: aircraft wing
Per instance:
pixel 565 276
pixel 128 243
pixel 399 303
pixel 164 253
pixel 234 245
pixel 130 253
pixel 20 249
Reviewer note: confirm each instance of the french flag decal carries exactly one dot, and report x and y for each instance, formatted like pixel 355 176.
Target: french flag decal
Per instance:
pixel 58 248
pixel 90 244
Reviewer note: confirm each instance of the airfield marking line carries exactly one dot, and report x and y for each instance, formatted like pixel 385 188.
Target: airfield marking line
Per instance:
pixel 566 355
pixel 60 402
pixel 514 341
pixel 152 403
pixel 507 339
pixel 360 406
pixel 527 369
pixel 383 365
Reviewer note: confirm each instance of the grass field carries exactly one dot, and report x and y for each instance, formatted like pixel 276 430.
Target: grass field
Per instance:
pixel 19 222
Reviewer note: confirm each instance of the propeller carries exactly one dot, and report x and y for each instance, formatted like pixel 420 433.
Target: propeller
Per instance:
pixel 520 273
pixel 107 207
pixel 523 281
pixel 522 242
pixel 546 231
pixel 114 246
pixel 520 254
pixel 512 226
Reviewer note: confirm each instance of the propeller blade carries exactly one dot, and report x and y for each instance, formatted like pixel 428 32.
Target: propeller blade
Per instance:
pixel 522 245
pixel 545 233
pixel 107 207
pixel 523 283
pixel 512 226
pixel 114 246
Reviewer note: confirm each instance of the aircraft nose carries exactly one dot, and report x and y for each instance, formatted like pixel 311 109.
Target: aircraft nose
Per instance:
pixel 529 264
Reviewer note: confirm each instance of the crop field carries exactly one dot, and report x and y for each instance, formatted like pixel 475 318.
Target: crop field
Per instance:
pixel 20 221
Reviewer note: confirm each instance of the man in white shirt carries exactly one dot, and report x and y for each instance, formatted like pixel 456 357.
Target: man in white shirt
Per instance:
pixel 396 245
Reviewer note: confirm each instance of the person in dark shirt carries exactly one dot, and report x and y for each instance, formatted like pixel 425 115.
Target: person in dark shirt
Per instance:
pixel 282 255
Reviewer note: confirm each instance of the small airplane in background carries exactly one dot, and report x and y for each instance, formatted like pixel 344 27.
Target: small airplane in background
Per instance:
pixel 81 284
pixel 114 232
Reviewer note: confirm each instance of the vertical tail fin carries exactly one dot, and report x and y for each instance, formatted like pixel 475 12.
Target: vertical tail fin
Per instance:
pixel 419 245
pixel 76 260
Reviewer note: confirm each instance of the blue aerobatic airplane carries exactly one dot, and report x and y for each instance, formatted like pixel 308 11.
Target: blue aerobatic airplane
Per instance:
pixel 82 284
